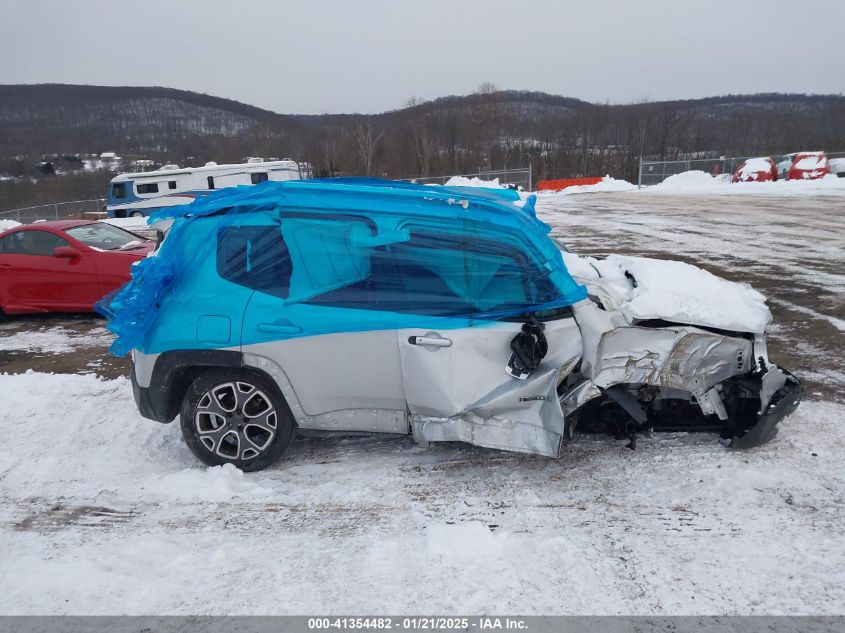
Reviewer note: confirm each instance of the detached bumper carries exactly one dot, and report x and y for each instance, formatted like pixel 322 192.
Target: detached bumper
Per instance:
pixel 783 402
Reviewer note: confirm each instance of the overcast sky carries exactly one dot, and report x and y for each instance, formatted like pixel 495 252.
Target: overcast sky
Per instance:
pixel 368 56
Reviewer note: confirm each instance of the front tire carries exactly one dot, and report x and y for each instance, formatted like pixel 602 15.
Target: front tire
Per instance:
pixel 236 417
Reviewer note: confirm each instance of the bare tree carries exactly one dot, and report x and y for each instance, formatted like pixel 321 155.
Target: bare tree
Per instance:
pixel 367 141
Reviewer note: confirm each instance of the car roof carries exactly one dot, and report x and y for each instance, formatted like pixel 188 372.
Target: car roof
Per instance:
pixel 370 196
pixel 60 225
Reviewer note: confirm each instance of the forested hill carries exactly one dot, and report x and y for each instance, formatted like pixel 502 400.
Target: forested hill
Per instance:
pixel 560 136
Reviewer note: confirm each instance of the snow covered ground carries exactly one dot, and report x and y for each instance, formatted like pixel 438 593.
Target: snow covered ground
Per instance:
pixel 102 511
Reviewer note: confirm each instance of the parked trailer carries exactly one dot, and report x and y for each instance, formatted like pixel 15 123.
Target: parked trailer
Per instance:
pixel 139 194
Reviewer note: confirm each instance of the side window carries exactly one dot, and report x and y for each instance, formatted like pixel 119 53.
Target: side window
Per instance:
pixel 118 190
pixel 257 177
pixel 210 181
pixel 171 184
pixel 449 274
pixel 256 257
pixel 31 243
pixel 148 187
pixel 380 289
pixel 434 274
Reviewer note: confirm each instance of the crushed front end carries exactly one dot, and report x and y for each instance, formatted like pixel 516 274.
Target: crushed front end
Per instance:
pixel 670 347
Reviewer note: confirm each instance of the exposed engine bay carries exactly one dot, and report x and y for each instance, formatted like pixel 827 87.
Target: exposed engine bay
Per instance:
pixel 670 347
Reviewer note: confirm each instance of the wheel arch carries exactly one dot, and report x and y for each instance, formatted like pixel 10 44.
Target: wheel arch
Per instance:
pixel 174 372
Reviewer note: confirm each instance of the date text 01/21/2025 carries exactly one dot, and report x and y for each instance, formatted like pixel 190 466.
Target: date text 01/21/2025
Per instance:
pixel 416 623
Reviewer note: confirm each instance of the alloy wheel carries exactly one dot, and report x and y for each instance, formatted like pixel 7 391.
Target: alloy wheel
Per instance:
pixel 236 420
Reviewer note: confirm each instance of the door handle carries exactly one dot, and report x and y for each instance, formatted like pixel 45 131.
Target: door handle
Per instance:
pixel 430 340
pixel 6 266
pixel 282 326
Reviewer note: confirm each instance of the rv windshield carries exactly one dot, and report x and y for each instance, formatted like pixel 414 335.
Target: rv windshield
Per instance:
pixel 105 237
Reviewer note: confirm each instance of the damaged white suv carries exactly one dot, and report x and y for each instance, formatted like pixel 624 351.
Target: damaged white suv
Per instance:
pixel 446 313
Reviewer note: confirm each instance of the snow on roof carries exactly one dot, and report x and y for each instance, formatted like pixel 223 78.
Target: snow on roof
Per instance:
pixel 5 225
pixel 752 166
pixel 169 170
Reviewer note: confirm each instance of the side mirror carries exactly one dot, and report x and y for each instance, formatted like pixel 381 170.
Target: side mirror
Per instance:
pixel 65 252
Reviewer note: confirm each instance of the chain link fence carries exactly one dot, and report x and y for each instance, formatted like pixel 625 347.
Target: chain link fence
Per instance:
pixel 653 172
pixel 77 209
pixel 522 177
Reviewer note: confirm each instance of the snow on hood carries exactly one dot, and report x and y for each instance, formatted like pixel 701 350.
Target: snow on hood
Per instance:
pixel 643 288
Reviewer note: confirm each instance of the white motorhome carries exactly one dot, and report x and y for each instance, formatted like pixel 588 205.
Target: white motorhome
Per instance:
pixel 139 194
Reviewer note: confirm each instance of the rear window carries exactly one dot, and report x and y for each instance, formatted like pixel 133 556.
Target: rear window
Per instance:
pixel 256 257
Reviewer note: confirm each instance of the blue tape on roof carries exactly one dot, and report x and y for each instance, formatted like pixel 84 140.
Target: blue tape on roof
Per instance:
pixel 300 258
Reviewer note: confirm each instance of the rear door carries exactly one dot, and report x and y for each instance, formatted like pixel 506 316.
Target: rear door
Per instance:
pixel 31 278
pixel 322 325
pixel 455 349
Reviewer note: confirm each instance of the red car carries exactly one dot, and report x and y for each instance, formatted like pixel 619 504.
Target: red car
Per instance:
pixel 809 166
pixel 756 170
pixel 64 266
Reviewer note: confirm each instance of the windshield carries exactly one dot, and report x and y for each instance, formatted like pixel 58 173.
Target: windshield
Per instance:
pixel 105 237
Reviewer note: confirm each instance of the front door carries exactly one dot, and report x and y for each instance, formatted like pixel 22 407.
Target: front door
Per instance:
pixel 32 278
pixel 455 344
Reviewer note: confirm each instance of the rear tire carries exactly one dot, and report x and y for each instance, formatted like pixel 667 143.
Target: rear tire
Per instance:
pixel 236 417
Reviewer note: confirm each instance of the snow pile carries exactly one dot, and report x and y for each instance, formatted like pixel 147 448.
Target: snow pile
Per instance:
pixel 214 484
pixel 5 225
pixel 94 443
pixel 673 291
pixel 689 181
pixel 699 182
pixel 462 181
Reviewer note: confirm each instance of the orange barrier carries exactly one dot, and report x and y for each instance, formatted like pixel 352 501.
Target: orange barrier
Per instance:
pixel 563 183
